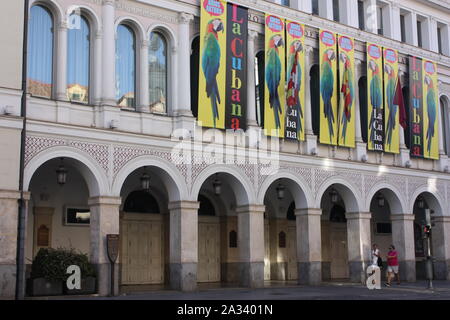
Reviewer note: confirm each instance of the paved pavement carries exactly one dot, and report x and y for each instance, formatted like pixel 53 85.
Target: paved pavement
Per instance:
pixel 327 291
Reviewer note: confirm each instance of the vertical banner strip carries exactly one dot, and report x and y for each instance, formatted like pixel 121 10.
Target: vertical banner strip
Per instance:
pixel 416 106
pixel 274 91
pixel 391 110
pixel 347 111
pixel 236 68
pixel 431 110
pixel 375 112
pixel 295 78
pixel 212 73
pixel 328 88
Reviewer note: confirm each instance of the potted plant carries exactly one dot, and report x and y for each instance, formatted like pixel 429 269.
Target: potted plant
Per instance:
pixel 48 272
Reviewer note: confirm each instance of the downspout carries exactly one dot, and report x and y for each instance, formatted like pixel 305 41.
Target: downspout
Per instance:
pixel 20 253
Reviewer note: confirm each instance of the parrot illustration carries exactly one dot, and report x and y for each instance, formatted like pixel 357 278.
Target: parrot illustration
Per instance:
pixel 391 107
pixel 376 96
pixel 294 82
pixel 431 110
pixel 348 92
pixel 273 76
pixel 327 88
pixel 211 64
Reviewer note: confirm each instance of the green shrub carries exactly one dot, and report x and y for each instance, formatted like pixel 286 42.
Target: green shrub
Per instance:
pixel 52 264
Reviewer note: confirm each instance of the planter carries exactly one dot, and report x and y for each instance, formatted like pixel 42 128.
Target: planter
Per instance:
pixel 42 287
pixel 88 286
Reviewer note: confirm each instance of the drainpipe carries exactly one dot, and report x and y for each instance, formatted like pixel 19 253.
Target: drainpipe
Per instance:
pixel 20 254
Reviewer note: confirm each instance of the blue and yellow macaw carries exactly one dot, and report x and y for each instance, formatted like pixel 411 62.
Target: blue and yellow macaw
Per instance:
pixel 273 76
pixel 294 82
pixel 391 107
pixel 327 87
pixel 211 63
pixel 376 96
pixel 348 92
pixel 431 111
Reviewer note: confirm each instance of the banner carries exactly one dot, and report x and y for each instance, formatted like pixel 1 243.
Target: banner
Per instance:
pixel 375 107
pixel 347 111
pixel 274 91
pixel 212 76
pixel 295 81
pixel 391 110
pixel 431 110
pixel 416 106
pixel 328 88
pixel 236 71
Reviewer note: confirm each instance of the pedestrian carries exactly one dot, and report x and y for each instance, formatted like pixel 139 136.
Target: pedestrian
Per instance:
pixel 392 261
pixel 375 254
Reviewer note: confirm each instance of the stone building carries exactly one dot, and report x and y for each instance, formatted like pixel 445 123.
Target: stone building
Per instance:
pixel 192 204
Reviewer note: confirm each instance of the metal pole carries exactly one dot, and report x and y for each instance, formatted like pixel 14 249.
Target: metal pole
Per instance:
pixel 112 279
pixel 429 264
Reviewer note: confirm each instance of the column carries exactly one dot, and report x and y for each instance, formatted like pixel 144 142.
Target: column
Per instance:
pixel 98 58
pixel 309 246
pixel 108 60
pixel 61 62
pixel 104 220
pixel 251 84
pixel 441 247
pixel 403 238
pixel 411 28
pixel 388 27
pixel 326 9
pixel 183 245
pixel 8 242
pixel 359 246
pixel 251 245
pixel 445 39
pixel 348 12
pixel 370 7
pixel 311 139
pixel 144 99
pixel 302 5
pixel 396 28
pixel 429 41
pixel 184 65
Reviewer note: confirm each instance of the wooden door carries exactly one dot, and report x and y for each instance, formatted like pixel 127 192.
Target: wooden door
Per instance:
pixel 266 250
pixel 208 269
pixel 339 251
pixel 292 251
pixel 142 249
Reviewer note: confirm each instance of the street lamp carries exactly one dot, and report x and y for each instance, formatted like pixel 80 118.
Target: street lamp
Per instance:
pixel 280 191
pixel 217 185
pixel 145 180
pixel 334 195
pixel 61 173
pixel 380 199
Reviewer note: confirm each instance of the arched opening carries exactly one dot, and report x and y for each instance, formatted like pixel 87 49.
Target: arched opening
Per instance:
pixel 315 98
pixel 158 70
pixel 125 66
pixel 195 64
pixel 259 87
pixel 362 87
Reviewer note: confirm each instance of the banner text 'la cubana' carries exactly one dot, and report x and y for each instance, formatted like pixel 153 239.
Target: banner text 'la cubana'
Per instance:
pixel 375 103
pixel 431 110
pixel 346 46
pixel 295 81
pixel 391 110
pixel 212 73
pixel 274 91
pixel 236 70
pixel 328 88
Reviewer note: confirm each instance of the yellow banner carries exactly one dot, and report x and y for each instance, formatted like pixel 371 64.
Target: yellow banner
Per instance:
pixel 328 88
pixel 346 47
pixel 212 76
pixel 295 81
pixel 274 91
pixel 391 110
pixel 431 110
pixel 375 110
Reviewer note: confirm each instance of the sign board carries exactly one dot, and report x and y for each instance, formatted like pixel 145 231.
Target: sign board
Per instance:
pixel 112 241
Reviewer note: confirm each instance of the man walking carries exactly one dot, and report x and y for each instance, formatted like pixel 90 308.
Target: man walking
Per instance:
pixel 392 261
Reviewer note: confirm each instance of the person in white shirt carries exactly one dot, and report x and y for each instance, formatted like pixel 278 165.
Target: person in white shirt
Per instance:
pixel 375 254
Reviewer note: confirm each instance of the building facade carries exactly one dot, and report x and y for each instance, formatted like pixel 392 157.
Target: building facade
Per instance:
pixel 112 100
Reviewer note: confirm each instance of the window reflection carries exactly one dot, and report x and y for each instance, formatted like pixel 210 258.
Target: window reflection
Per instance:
pixel 40 52
pixel 78 52
pixel 157 59
pixel 125 66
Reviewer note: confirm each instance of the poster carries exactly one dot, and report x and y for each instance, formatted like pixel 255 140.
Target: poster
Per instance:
pixel 375 106
pixel 391 110
pixel 431 110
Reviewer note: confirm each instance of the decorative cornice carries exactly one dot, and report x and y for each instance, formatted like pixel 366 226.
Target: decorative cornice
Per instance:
pixel 252 35
pixel 185 18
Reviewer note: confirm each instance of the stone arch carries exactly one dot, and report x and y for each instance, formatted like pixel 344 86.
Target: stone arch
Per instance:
pixel 397 203
pixel 89 14
pixel 348 192
pixel 239 182
pixel 299 189
pixel 166 31
pixel 90 169
pixel 53 7
pixel 135 25
pixel 168 173
pixel 433 199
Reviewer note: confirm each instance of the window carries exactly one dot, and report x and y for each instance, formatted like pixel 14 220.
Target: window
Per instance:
pixel 384 228
pixel 445 124
pixel 40 52
pixel 78 53
pixel 282 239
pixel 77 216
pixel 380 20
pixel 314 89
pixel 336 10
pixel 285 3
pixel 361 14
pixel 439 38
pixel 402 28
pixel 195 65
pixel 315 7
pixel 362 87
pixel 232 239
pixel 125 67
pixel 157 59
pixel 260 82
pixel 419 33
pixel 141 201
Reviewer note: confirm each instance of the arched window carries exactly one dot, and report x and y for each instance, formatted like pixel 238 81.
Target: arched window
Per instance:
pixel 157 59
pixel 259 89
pixel 78 55
pixel 125 67
pixel 315 98
pixel 405 91
pixel 362 88
pixel 195 65
pixel 141 202
pixel 445 124
pixel 40 52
